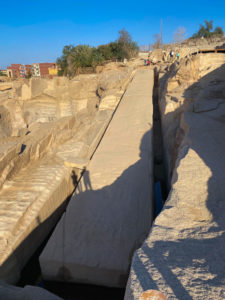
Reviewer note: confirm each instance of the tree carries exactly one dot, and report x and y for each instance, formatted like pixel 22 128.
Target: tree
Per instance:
pixel 124 37
pixel 123 47
pixel 208 25
pixel 96 58
pixel 28 75
pixel 106 51
pixel 63 60
pixel 206 30
pixel 127 48
pixel 74 59
pixel 179 35
pixel 219 31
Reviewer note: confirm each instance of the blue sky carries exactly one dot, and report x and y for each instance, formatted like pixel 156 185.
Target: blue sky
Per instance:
pixel 36 30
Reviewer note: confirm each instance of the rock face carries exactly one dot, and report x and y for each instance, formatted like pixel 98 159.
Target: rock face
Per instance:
pixel 157 55
pixel 9 292
pixel 110 213
pixel 49 130
pixel 183 257
pixel 195 83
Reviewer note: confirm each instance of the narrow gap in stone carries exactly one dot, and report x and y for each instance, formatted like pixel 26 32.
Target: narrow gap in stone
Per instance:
pixel 159 171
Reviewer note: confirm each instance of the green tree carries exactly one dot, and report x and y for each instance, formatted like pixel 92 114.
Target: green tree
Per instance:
pixel 206 30
pixel 124 37
pixel 114 49
pixel 127 48
pixel 106 51
pixel 96 57
pixel 74 59
pixel 63 60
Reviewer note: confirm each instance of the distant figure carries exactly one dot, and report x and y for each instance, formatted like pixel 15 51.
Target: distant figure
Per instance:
pixel 145 62
pixel 178 56
pixel 148 62
pixel 171 55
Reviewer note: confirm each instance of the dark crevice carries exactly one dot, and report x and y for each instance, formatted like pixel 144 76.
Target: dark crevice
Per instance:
pixel 23 147
pixel 160 187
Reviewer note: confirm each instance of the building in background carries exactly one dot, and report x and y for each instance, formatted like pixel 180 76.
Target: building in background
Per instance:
pixel 36 70
pixel 28 70
pixel 22 71
pixel 53 70
pixel 19 71
pixel 42 69
pixel 14 71
pixel 10 73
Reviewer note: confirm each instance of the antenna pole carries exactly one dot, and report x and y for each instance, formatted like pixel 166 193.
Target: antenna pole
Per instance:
pixel 161 32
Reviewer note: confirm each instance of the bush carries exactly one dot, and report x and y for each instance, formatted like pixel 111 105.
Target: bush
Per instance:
pixel 2 74
pixel 219 31
pixel 127 48
pixel 105 51
pixel 60 73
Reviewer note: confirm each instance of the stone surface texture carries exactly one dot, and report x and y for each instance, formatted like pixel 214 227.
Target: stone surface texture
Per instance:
pixel 110 213
pixel 183 257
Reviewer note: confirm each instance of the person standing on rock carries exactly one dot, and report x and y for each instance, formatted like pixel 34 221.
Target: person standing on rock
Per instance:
pixel 178 57
pixel 171 55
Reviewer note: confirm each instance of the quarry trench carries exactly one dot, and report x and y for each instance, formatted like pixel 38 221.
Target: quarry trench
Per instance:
pixel 31 274
pixel 159 171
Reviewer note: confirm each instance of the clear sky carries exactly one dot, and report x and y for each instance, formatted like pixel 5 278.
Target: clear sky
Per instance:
pixel 36 30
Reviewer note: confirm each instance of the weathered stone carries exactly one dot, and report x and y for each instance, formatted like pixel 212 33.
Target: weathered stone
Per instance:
pixel 157 55
pixel 183 254
pixel 172 85
pixel 4 87
pixel 109 102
